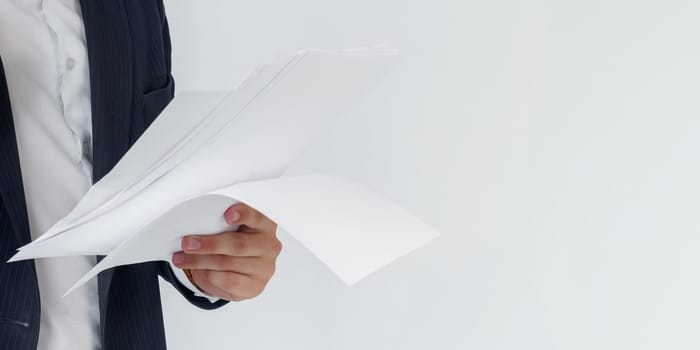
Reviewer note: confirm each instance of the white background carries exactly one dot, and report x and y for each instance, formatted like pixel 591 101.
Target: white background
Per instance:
pixel 553 143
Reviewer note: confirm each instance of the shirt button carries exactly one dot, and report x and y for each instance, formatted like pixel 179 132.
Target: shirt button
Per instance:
pixel 70 64
pixel 86 149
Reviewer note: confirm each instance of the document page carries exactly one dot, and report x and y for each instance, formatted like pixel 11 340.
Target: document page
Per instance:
pixel 209 150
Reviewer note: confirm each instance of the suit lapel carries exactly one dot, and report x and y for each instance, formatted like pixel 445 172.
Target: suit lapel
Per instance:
pixel 11 187
pixel 110 57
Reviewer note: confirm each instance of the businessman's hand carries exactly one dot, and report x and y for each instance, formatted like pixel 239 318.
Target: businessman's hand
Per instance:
pixel 233 265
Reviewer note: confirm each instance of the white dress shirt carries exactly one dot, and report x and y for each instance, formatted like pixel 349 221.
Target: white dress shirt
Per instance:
pixel 42 44
pixel 43 50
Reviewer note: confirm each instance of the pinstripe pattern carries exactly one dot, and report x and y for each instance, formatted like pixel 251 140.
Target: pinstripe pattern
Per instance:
pixel 19 297
pixel 19 307
pixel 129 52
pixel 11 189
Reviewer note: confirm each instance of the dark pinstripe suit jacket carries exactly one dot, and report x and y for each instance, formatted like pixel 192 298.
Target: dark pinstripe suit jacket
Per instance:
pixel 129 53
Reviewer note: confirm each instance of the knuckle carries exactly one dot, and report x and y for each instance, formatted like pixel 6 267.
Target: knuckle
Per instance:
pixel 277 247
pixel 239 244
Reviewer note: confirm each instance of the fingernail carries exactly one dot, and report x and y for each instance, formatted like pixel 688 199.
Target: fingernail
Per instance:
pixel 192 243
pixel 178 258
pixel 235 215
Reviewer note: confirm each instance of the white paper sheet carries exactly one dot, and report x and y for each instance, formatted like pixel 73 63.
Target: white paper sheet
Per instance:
pixel 243 141
pixel 352 230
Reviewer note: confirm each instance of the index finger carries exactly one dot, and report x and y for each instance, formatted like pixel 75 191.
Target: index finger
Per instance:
pixel 231 244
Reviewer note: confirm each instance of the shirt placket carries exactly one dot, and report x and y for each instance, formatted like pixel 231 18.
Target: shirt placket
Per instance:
pixel 66 65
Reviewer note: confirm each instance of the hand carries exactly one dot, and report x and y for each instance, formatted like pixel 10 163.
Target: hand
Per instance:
pixel 233 265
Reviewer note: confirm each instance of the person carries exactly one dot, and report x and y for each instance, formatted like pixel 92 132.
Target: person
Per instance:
pixel 80 81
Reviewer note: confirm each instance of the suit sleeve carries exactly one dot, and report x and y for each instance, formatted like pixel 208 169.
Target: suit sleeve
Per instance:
pixel 199 301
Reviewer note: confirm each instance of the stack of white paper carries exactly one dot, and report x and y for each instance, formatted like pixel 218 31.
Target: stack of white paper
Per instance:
pixel 209 150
